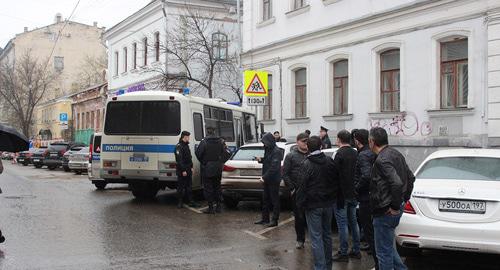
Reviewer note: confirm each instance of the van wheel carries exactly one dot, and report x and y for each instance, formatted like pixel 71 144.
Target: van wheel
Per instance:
pixel 144 191
pixel 100 185
pixel 230 202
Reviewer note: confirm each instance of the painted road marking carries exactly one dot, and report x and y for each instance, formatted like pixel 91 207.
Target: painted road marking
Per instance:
pixel 194 209
pixel 260 233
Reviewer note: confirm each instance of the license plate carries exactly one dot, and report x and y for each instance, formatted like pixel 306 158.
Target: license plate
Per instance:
pixel 139 158
pixel 250 172
pixel 36 160
pixel 21 159
pixel 461 206
pixel 53 155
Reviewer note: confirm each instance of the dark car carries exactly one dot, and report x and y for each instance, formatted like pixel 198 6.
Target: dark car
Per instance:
pixel 24 157
pixel 38 156
pixel 67 155
pixel 55 152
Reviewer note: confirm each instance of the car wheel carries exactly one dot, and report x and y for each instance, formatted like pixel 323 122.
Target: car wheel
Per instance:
pixel 100 185
pixel 66 169
pixel 78 172
pixel 25 164
pixel 51 168
pixel 38 166
pixel 231 202
pixel 408 252
pixel 144 191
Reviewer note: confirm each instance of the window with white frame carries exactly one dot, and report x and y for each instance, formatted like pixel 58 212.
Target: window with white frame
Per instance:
pixel 116 63
pixel 145 53
pixel 267 9
pixel 125 59
pixel 299 4
pixel 268 108
pixel 134 56
pixel 389 81
pixel 340 86
pixel 301 93
pixel 219 46
pixel 454 73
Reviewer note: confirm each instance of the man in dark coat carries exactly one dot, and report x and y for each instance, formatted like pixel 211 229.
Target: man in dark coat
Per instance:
pixel 212 155
pixel 345 212
pixel 317 194
pixel 271 178
pixel 325 140
pixel 391 186
pixel 362 180
pixel 184 168
pixel 291 170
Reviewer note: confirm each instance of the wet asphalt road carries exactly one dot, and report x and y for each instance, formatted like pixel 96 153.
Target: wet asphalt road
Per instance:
pixel 57 220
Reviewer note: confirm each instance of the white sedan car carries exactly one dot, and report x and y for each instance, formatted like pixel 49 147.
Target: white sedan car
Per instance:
pixel 455 203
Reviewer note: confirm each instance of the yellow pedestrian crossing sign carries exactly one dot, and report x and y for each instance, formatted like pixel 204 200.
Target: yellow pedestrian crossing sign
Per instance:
pixel 255 83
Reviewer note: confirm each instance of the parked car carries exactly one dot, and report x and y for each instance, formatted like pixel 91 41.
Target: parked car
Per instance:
pixel 66 156
pixel 55 152
pixel 78 161
pixel 455 204
pixel 38 156
pixel 94 165
pixel 8 156
pixel 240 178
pixel 24 157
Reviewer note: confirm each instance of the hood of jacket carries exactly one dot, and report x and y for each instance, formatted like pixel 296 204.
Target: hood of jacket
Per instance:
pixel 269 141
pixel 212 138
pixel 318 158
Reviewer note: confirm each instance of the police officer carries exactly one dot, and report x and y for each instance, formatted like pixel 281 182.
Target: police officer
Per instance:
pixel 323 134
pixel 212 155
pixel 184 167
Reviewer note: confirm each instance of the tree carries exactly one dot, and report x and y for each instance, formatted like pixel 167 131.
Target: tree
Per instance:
pixel 23 84
pixel 198 45
pixel 92 71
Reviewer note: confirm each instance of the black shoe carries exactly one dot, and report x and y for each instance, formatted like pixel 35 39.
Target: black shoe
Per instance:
pixel 209 210
pixel 340 258
pixel 354 255
pixel 180 205
pixel 299 245
pixel 364 247
pixel 193 205
pixel 273 223
pixel 261 222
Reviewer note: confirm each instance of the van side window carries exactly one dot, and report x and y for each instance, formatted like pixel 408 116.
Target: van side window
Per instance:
pixel 221 120
pixel 198 126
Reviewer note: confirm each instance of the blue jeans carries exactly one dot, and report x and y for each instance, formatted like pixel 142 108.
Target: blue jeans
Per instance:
pixel 319 224
pixel 346 218
pixel 388 257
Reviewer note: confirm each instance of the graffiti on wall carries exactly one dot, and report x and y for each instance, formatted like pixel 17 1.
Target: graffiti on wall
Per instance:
pixel 404 124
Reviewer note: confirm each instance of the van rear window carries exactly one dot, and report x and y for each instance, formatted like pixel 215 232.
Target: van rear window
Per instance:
pixel 143 118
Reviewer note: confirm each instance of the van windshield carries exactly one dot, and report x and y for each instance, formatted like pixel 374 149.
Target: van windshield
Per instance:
pixel 143 118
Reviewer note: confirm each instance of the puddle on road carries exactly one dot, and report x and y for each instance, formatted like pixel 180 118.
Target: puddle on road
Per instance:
pixel 18 197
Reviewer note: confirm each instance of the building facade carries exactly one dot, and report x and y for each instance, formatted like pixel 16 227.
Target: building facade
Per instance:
pixel 88 108
pixel 426 71
pixel 48 125
pixel 136 46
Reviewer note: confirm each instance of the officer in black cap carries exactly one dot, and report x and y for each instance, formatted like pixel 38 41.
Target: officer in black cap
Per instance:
pixel 323 134
pixel 212 154
pixel 184 168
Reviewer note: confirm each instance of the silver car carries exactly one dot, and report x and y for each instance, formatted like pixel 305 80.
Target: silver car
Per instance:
pixel 78 162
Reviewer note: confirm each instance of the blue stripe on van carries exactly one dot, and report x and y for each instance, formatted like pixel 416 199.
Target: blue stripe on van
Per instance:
pixel 146 148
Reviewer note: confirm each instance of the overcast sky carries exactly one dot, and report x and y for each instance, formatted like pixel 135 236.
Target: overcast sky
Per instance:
pixel 16 14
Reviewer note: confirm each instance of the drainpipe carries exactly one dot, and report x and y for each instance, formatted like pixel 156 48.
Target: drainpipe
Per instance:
pixel 163 7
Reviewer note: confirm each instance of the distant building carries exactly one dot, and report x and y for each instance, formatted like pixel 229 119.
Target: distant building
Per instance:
pixel 48 125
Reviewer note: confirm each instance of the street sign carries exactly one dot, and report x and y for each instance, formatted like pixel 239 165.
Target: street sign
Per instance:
pixel 63 117
pixel 255 83
pixel 256 101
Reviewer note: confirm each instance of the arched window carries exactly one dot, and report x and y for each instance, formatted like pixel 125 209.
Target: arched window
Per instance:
pixel 267 9
pixel 301 93
pixel 340 86
pixel 454 73
pixel 219 46
pixel 157 46
pixel 389 81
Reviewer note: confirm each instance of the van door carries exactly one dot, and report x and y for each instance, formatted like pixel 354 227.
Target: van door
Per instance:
pixel 139 153
pixel 96 157
pixel 199 134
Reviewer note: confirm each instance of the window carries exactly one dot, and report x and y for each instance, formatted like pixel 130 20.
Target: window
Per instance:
pixel 267 10
pixel 454 74
pixel 92 118
pixel 143 118
pixel 198 126
pixel 219 45
pixel 125 60
pixel 248 153
pixel 134 56
pixel 461 168
pixel 268 108
pixel 87 120
pixel 389 81
pixel 299 4
pixel 340 86
pixel 250 128
pixel 300 93
pixel 98 120
pixel 116 63
pixel 145 55
pixel 221 120
pixel 157 46
pixel 78 121
pixel 58 63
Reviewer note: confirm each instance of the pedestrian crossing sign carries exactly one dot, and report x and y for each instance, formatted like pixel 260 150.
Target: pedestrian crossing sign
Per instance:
pixel 255 83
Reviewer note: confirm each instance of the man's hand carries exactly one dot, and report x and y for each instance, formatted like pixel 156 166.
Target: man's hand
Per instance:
pixel 184 174
pixel 258 159
pixel 392 212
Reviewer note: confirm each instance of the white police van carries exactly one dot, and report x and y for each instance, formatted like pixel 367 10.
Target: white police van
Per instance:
pixel 141 130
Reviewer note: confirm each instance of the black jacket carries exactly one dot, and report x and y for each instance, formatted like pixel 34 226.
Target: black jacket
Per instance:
pixel 327 144
pixel 291 168
pixel 183 158
pixel 212 155
pixel 362 173
pixel 345 161
pixel 271 162
pixel 318 182
pixel 392 181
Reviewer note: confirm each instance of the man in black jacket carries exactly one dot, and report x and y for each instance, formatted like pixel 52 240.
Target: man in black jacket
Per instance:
pixel 271 178
pixel 362 180
pixel 317 194
pixel 291 170
pixel 391 186
pixel 345 212
pixel 212 155
pixel 184 167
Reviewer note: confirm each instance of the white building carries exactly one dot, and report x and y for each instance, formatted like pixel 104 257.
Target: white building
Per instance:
pixel 426 71
pixel 136 46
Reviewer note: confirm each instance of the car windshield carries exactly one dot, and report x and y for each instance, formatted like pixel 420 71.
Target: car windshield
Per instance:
pixel 248 153
pixel 57 147
pixel 462 168
pixel 84 150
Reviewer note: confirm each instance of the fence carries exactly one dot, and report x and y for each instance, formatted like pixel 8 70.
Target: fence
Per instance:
pixel 83 136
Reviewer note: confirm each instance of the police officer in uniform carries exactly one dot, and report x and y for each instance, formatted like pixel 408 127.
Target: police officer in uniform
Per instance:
pixel 184 167
pixel 325 140
pixel 212 154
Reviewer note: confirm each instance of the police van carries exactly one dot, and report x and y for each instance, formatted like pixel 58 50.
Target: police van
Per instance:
pixel 141 130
